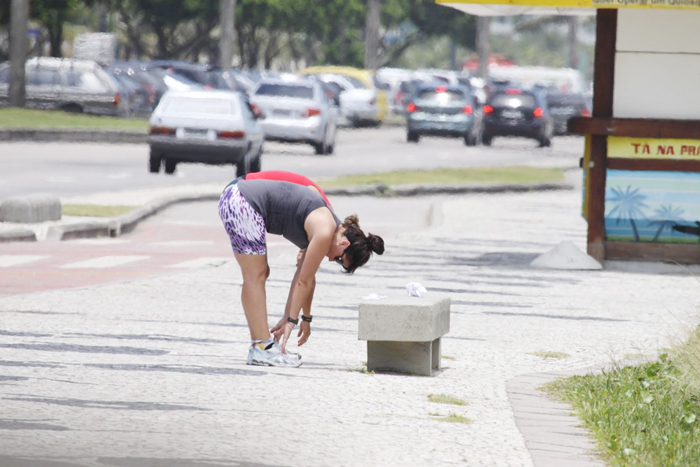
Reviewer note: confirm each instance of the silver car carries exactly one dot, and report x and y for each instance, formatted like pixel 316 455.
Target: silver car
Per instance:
pixel 206 126
pixel 68 84
pixel 297 110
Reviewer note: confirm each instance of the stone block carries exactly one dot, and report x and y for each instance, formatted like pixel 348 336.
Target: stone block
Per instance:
pixel 30 209
pixel 403 334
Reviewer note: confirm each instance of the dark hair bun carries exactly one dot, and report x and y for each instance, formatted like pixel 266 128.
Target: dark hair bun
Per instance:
pixel 376 243
pixel 352 220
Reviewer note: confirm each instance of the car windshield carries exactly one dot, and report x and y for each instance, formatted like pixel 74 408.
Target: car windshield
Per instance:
pixel 513 100
pixel 191 105
pixel 285 90
pixel 358 84
pixel 440 96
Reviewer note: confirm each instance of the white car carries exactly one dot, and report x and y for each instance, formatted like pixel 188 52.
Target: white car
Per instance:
pixel 207 126
pixel 358 103
pixel 297 110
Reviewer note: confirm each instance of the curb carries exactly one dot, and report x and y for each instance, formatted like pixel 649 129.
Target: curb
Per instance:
pixel 114 227
pixel 73 136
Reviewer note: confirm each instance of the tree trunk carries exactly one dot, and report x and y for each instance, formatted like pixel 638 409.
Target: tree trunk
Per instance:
pixel 483 48
pixel 227 10
pixel 19 16
pixel 372 24
pixel 572 43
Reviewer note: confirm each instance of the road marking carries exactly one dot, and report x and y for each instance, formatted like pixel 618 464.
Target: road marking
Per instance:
pixel 98 241
pixel 14 260
pixel 120 175
pixel 199 262
pixel 104 262
pixel 183 243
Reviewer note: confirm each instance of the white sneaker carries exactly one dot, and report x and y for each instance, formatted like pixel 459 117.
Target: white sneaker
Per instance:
pixel 270 356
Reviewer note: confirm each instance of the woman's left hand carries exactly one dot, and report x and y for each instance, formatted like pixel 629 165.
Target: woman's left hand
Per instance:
pixel 304 332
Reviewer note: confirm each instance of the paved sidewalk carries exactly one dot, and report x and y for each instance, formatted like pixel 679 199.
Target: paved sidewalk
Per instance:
pixel 152 372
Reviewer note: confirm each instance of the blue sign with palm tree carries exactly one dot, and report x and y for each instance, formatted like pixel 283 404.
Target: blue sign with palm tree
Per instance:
pixel 652 206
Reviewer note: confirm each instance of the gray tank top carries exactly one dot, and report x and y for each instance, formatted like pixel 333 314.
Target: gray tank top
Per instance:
pixel 283 206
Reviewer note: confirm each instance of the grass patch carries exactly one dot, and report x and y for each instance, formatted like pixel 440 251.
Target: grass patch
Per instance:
pixel 90 210
pixel 493 175
pixel 642 415
pixel 445 399
pixel 448 357
pixel 452 418
pixel 11 117
pixel 546 354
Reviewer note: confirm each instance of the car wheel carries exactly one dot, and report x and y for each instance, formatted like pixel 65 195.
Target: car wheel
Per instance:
pixel 72 108
pixel 470 139
pixel 412 137
pixel 545 142
pixel 154 163
pixel 256 165
pixel 320 148
pixel 170 166
pixel 486 140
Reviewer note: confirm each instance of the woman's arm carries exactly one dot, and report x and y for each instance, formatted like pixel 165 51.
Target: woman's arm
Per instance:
pixel 320 226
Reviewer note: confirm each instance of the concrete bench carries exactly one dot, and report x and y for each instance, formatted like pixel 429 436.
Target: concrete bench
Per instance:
pixel 30 209
pixel 403 334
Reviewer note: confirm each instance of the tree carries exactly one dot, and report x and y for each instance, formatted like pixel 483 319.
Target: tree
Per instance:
pixel 668 215
pixel 18 52
pixel 629 206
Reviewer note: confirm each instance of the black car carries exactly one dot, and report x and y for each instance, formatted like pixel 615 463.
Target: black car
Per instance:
pixel 565 105
pixel 517 112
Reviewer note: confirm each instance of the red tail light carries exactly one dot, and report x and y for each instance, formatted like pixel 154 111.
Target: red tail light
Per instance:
pixel 256 109
pixel 468 109
pixel 538 112
pixel 410 108
pixel 488 109
pixel 513 91
pixel 231 134
pixel 441 89
pixel 585 112
pixel 311 112
pixel 161 130
pixel 116 99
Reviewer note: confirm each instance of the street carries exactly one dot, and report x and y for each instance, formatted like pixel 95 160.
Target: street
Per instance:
pixel 66 169
pixel 190 235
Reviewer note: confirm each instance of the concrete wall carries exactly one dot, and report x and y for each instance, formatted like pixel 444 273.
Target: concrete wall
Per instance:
pixel 657 64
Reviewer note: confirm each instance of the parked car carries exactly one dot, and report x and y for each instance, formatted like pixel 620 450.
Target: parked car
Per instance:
pixel 298 111
pixel 367 104
pixel 443 110
pixel 517 112
pixel 206 126
pixel 159 80
pixel 140 100
pixel 67 84
pixel 565 105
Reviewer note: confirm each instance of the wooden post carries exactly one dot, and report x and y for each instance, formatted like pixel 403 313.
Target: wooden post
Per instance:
pixel 603 84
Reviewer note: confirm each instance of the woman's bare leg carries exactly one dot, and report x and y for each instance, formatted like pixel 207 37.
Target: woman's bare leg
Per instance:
pixel 255 272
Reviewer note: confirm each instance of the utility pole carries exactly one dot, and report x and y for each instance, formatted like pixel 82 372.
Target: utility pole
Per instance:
pixel 227 11
pixel 19 17
pixel 483 47
pixel 372 34
pixel 572 56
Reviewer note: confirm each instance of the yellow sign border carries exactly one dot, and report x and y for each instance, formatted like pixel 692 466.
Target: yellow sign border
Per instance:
pixel 653 148
pixel 611 4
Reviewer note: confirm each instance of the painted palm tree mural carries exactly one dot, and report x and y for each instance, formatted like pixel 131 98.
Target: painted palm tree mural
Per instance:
pixel 652 206
pixel 667 217
pixel 628 206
